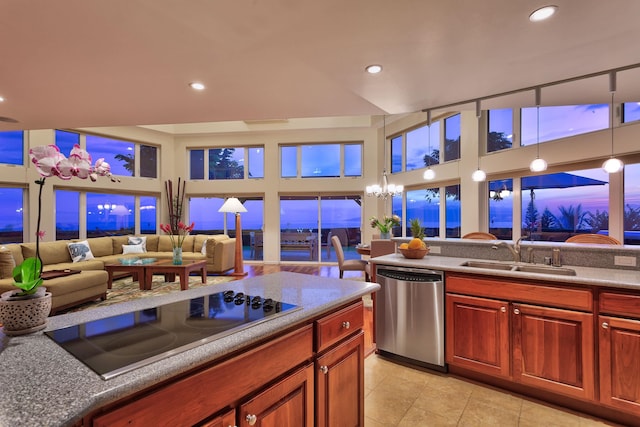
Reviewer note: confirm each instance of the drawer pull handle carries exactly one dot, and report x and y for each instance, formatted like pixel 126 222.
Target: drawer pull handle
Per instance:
pixel 503 309
pixel 324 369
pixel 516 311
pixel 251 419
pixel 346 325
pixel 605 325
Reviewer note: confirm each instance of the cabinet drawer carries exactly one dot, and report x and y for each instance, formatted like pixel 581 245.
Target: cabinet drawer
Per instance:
pixel 331 329
pixel 525 292
pixel 620 304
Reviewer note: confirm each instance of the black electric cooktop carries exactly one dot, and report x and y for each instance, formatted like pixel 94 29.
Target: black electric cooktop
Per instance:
pixel 121 343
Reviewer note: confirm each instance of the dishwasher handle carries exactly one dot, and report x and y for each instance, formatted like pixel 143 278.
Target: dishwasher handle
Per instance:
pixel 409 276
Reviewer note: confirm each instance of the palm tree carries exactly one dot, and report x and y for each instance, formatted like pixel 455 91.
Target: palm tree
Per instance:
pixel 572 218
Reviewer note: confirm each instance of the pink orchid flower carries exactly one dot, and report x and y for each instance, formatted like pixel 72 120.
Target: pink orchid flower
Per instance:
pixel 46 159
pixel 78 164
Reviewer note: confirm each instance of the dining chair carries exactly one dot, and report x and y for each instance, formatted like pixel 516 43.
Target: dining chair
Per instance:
pixel 480 235
pixel 349 264
pixel 593 238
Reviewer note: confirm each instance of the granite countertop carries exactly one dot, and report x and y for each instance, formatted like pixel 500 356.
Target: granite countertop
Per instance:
pixel 609 277
pixel 41 384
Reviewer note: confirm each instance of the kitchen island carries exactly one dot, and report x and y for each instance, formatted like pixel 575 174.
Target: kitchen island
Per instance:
pixel 42 384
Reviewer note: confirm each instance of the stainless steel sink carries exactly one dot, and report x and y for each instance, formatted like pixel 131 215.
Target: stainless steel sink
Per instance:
pixel 524 268
pixel 488 265
pixel 541 269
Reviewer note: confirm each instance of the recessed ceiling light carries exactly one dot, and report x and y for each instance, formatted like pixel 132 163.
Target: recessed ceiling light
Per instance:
pixel 373 69
pixel 1 99
pixel 543 13
pixel 196 86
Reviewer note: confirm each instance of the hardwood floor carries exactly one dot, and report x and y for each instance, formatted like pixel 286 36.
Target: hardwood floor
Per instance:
pixel 324 271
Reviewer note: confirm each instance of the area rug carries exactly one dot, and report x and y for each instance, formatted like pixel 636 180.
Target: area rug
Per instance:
pixel 127 290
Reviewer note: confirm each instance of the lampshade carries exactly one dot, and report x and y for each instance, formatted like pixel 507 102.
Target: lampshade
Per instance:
pixel 233 205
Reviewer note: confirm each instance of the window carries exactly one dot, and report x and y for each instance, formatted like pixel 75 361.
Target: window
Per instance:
pixel 396 154
pixel 396 209
pixel 563 121
pixel 501 208
pixel 500 136
pixel 417 148
pixel 321 160
pixel 66 140
pixel 12 214
pixel 148 215
pixel 12 146
pixel 424 204
pixel 340 216
pixel 453 211
pixel 148 161
pixel 353 160
pixel 196 164
pixel 288 161
pixel 110 214
pixel 203 211
pixel 630 112
pixel 119 154
pixel 632 204
pixel 67 214
pixel 226 163
pixel 452 138
pixel 559 205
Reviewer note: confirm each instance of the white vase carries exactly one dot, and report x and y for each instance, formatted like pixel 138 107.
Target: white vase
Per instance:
pixel 24 315
pixel 386 235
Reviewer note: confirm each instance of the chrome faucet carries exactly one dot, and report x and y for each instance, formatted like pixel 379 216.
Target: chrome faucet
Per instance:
pixel 514 249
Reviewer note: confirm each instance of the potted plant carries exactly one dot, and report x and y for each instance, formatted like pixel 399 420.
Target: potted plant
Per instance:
pixel 385 225
pixel 26 309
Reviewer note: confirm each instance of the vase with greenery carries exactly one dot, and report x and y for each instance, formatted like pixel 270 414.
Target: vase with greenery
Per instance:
pixel 27 275
pixel 177 237
pixel 385 224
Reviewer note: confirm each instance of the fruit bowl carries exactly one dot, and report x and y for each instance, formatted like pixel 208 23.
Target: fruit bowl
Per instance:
pixel 414 253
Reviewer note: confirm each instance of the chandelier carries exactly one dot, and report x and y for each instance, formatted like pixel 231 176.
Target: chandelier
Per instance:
pixel 386 190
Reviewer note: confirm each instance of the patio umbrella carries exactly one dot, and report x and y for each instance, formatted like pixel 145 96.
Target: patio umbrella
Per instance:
pixel 552 180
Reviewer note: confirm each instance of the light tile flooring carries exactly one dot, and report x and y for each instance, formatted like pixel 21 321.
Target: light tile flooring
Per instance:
pixel 396 395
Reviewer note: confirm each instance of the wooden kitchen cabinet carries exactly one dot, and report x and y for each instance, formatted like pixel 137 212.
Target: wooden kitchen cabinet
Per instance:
pixel 340 385
pixel 226 419
pixel 619 335
pixel 520 331
pixel 289 403
pixel 553 349
pixel 340 368
pixel 477 334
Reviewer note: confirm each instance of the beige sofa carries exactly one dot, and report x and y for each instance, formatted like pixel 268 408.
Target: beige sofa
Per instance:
pixel 91 283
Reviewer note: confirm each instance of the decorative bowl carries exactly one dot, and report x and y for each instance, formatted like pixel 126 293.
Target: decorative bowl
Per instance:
pixel 129 261
pixel 414 253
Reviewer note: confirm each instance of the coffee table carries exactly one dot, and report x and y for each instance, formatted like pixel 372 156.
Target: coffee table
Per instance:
pixel 143 273
pixel 170 270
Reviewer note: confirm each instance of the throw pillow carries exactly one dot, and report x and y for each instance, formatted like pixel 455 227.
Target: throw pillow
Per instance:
pixel 132 249
pixel 204 247
pixel 7 263
pixel 80 251
pixel 139 240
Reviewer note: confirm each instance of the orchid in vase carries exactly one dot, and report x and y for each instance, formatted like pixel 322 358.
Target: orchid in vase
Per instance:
pixel 50 162
pixel 385 224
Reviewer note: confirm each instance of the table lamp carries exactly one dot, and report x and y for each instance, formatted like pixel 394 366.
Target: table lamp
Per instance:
pixel 233 205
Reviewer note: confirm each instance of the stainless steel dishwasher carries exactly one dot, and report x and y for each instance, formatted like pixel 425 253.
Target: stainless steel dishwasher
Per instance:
pixel 409 315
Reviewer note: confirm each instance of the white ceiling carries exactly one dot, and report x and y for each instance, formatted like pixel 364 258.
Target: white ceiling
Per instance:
pixel 83 63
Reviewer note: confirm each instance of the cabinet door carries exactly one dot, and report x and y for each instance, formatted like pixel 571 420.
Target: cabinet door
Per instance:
pixel 340 385
pixel 226 419
pixel 288 403
pixel 553 349
pixel 477 334
pixel 619 366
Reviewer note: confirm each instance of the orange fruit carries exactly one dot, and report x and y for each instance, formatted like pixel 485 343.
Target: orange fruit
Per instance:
pixel 404 246
pixel 416 244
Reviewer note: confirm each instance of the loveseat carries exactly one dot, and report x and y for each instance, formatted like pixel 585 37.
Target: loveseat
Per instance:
pixel 91 283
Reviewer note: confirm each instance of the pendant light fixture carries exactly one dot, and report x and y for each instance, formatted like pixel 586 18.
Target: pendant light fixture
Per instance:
pixel 612 165
pixel 429 174
pixel 478 175
pixel 538 165
pixel 385 190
